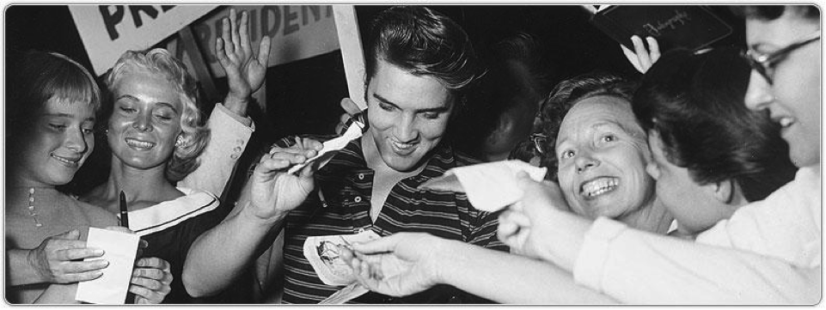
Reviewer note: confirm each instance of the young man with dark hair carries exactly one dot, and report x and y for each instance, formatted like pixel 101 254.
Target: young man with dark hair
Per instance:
pixel 419 66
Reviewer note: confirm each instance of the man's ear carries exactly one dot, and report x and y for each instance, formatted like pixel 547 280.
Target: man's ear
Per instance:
pixel 723 191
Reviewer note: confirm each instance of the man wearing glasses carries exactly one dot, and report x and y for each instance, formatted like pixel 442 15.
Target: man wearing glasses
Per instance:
pixel 768 252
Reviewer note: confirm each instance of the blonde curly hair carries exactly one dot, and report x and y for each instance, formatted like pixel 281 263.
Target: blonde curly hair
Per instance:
pixel 195 135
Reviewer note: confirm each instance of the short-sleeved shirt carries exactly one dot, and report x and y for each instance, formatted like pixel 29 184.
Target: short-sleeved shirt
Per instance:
pixel 341 205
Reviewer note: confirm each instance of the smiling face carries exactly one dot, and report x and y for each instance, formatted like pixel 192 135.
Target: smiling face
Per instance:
pixel 60 141
pixel 146 120
pixel 693 205
pixel 794 98
pixel 408 115
pixel 602 158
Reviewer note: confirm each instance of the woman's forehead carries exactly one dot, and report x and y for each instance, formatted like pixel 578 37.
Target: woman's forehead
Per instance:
pixel 598 110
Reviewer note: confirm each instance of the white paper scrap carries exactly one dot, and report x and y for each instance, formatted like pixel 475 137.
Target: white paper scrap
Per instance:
pixel 352 133
pixel 489 186
pixel 120 249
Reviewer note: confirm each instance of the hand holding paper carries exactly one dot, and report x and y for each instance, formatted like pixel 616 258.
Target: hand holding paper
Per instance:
pixel 330 146
pixel 273 192
pixel 489 186
pixel 120 249
pixel 400 264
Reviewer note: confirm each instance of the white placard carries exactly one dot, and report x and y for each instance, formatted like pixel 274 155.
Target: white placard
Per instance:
pixel 109 30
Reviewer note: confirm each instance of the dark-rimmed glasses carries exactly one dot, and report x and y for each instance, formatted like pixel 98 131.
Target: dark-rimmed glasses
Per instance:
pixel 765 63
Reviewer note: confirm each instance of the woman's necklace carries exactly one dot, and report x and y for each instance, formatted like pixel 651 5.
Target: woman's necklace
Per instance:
pixel 32 210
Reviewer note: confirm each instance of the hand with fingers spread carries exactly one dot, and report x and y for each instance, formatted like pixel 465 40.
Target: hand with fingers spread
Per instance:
pixel 641 58
pixel 245 71
pixel 59 259
pixel 524 227
pixel 398 265
pixel 151 280
pixel 273 191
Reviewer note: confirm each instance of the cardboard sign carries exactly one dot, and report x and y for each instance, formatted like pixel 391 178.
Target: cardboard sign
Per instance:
pixel 109 30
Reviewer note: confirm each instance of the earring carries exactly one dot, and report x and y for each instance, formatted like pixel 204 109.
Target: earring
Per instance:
pixel 179 142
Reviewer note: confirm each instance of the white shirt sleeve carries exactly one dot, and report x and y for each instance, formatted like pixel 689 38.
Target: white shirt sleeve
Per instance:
pixel 642 268
pixel 228 139
pixel 786 225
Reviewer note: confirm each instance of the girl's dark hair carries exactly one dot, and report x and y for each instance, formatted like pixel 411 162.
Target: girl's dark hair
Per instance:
pixel 695 102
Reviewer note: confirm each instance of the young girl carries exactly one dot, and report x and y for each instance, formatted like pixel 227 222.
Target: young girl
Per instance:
pixel 51 114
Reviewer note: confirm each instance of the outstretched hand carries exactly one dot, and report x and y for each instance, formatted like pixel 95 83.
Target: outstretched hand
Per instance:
pixel 524 226
pixel 274 192
pixel 245 71
pixel 398 265
pixel 641 58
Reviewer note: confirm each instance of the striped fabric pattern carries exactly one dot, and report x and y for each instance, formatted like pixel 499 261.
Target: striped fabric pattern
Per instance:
pixel 341 205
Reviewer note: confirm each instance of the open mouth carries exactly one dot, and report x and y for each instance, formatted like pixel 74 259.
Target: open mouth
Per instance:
pixel 403 148
pixel 138 144
pixel 599 186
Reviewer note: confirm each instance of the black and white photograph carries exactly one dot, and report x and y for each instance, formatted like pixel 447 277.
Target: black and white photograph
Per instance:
pixel 536 153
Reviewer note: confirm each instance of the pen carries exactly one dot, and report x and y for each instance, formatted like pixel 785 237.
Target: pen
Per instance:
pixel 124 215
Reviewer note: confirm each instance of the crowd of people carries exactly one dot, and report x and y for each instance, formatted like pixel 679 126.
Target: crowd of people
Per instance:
pixel 697 184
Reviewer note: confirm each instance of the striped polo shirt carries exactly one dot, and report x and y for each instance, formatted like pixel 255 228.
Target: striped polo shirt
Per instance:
pixel 341 205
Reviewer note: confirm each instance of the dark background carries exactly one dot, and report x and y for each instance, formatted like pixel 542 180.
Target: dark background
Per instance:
pixel 303 96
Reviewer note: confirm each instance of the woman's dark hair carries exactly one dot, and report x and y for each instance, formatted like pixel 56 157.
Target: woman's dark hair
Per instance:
pixel 425 43
pixel 564 96
pixel 695 102
pixel 772 12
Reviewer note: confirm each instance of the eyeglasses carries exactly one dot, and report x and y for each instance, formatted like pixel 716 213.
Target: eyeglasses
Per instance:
pixel 765 63
pixel 538 142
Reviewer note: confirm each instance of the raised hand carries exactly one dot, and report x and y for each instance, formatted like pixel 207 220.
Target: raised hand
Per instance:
pixel 151 280
pixel 640 58
pixel 245 71
pixel 59 259
pixel 274 192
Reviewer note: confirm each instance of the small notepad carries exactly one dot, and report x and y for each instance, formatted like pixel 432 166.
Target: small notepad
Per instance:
pixel 120 250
